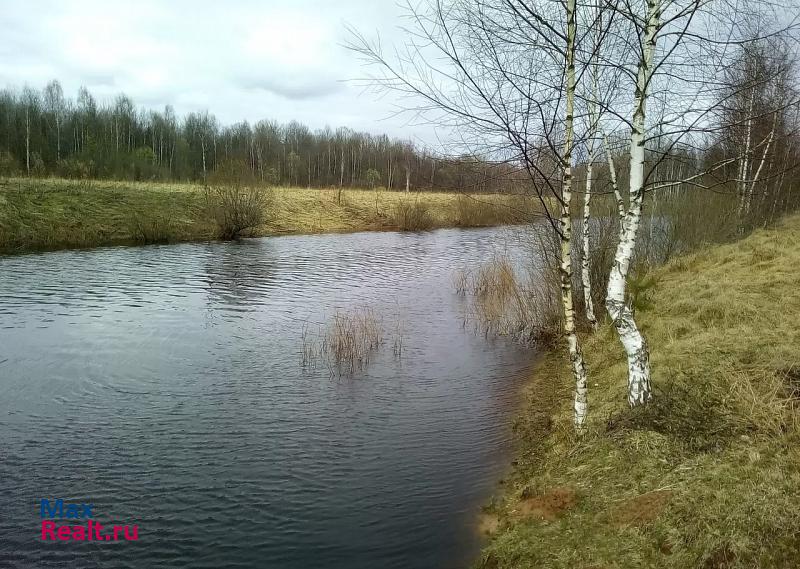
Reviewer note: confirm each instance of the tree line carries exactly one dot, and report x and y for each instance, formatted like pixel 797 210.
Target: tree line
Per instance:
pixel 44 133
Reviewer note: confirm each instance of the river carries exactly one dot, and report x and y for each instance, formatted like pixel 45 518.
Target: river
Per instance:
pixel 163 385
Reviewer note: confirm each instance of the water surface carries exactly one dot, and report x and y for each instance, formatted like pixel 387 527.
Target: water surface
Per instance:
pixel 163 384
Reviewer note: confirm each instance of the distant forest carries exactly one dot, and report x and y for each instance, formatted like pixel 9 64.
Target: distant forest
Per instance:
pixel 44 133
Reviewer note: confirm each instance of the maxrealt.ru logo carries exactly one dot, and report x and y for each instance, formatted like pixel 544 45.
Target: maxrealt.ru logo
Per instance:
pixel 90 530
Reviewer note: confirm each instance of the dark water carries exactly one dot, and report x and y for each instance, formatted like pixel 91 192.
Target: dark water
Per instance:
pixel 163 385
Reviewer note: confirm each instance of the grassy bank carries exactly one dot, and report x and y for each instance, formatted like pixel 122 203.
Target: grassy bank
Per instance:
pixel 51 214
pixel 709 474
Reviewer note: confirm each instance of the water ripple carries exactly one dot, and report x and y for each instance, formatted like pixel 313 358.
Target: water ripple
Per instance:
pixel 163 385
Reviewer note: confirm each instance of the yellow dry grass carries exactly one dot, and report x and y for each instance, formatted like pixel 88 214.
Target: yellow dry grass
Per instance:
pixel 55 213
pixel 709 474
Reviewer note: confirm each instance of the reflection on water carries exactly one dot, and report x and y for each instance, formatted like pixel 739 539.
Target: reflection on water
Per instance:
pixel 163 385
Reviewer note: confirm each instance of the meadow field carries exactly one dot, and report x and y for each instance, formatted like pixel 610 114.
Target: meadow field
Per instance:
pixel 40 214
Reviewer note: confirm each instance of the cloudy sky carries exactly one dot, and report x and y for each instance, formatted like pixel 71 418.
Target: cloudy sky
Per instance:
pixel 239 59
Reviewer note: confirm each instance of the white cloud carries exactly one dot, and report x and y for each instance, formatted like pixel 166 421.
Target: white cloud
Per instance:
pixel 245 59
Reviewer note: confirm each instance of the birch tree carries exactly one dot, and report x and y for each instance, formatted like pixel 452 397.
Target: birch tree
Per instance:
pixel 753 118
pixel 592 152
pixel 678 53
pixel 639 388
pixel 30 100
pixel 504 75
pixel 54 103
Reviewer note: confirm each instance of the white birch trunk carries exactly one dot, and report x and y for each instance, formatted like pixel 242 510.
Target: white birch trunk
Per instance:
pixel 751 184
pixel 594 118
pixel 612 171
pixel 27 142
pixel 203 148
pixel 341 170
pixel 586 279
pixel 575 355
pixel 58 138
pixel 639 388
pixel 744 165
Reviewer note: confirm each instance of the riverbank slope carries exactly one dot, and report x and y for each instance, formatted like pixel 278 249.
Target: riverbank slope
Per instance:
pixel 57 214
pixel 706 476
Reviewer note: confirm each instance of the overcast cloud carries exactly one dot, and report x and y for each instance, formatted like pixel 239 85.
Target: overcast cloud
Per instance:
pixel 242 59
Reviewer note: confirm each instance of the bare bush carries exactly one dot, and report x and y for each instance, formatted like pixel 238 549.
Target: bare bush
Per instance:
pixel 235 199
pixel 412 215
pixel 237 209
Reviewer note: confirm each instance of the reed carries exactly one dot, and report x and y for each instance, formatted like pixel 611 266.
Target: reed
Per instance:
pixel 351 339
pixel 509 300
pixel 346 343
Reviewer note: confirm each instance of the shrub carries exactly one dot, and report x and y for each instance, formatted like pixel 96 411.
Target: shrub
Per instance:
pixel 372 177
pixel 232 173
pixel 38 169
pixel 478 211
pixel 237 209
pixel 8 164
pixel 75 169
pixel 410 215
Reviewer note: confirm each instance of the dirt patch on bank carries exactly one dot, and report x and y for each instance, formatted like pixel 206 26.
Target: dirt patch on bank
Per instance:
pixel 548 506
pixel 642 509
pixel 488 524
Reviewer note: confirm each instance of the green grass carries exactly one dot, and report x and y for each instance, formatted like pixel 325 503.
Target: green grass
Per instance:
pixel 709 474
pixel 53 213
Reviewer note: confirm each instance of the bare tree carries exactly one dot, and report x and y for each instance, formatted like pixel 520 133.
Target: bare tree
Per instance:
pixel 504 75
pixel 678 51
pixel 30 100
pixel 54 103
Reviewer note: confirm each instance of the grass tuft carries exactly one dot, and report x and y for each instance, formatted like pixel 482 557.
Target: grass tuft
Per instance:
pixel 508 301
pixel 347 343
pixel 412 215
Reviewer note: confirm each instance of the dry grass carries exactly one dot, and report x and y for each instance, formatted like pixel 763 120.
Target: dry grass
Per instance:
pixel 412 215
pixel 351 339
pixel 501 305
pixel 487 210
pixel 719 446
pixel 347 343
pixel 509 300
pixel 55 213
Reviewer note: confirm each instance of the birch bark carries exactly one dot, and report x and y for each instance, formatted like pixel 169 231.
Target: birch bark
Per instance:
pixel 639 388
pixel 612 172
pixel 751 183
pixel 586 280
pixel 27 142
pixel 744 165
pixel 575 355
